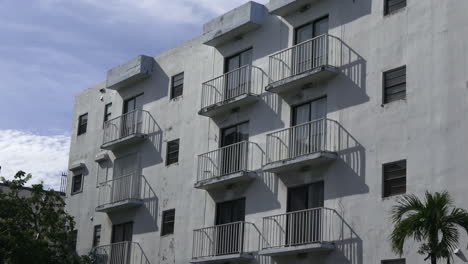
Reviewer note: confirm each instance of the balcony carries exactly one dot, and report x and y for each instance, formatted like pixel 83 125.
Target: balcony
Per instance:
pixel 286 7
pixel 231 91
pixel 313 230
pixel 130 128
pixel 304 145
pixel 120 253
pixel 224 243
pixel 314 60
pixel 227 165
pixel 121 193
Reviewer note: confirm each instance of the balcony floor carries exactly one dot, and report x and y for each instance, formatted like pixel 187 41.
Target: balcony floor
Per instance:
pixel 239 257
pixel 228 105
pixel 308 248
pixel 125 141
pixel 238 177
pixel 297 81
pixel 120 205
pixel 297 163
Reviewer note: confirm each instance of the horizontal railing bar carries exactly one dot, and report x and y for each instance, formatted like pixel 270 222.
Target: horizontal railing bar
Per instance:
pixel 301 44
pixel 303 124
pixel 231 72
pixel 217 226
pixel 300 211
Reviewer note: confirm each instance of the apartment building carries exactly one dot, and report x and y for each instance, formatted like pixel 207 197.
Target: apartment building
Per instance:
pixel 283 134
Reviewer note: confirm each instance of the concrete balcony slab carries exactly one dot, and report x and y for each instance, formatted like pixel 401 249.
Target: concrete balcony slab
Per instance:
pixel 120 205
pixel 234 24
pixel 238 258
pixel 229 105
pixel 290 250
pixel 297 163
pixel 297 81
pixel 286 7
pixel 125 141
pixel 130 72
pixel 239 177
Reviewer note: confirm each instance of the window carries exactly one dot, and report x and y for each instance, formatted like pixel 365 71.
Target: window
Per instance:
pixel 394 178
pixel 168 220
pixel 77 183
pixel 177 87
pixel 394 261
pixel 82 124
pixel 172 152
pixel 97 235
pixel 311 30
pixel 107 112
pixel 391 6
pixel 394 84
pixel 73 240
pixel 133 103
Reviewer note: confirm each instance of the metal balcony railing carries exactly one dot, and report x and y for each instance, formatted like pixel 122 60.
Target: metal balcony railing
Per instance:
pixel 124 188
pixel 244 80
pixel 120 253
pixel 137 122
pixel 324 50
pixel 322 135
pixel 226 239
pixel 318 225
pixel 240 157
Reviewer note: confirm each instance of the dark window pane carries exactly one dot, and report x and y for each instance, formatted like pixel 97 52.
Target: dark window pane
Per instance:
pixel 97 236
pixel 394 84
pixel 107 112
pixel 77 183
pixel 393 6
pixel 73 240
pixel 82 124
pixel 394 261
pixel 177 85
pixel 394 178
pixel 168 220
pixel 172 152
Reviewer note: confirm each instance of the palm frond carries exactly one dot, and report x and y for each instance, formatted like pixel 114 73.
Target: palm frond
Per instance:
pixel 405 204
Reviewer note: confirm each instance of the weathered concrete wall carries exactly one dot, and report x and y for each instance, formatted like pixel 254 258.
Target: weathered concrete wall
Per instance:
pixel 428 129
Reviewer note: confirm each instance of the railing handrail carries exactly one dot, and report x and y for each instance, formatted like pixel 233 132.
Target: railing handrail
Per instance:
pixel 303 124
pixel 301 211
pixel 116 243
pixel 222 225
pixel 228 146
pixel 122 115
pixel 302 43
pixel 230 72
pixel 121 177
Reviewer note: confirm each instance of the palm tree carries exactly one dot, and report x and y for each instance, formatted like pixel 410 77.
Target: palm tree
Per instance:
pixel 433 222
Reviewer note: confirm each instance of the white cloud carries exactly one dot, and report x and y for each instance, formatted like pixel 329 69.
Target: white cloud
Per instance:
pixel 45 157
pixel 175 11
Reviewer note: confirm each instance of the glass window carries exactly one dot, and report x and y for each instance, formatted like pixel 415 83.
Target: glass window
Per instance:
pixel 77 183
pixel 177 85
pixel 394 178
pixel 107 112
pixel 97 235
pixel 394 82
pixel 392 6
pixel 168 221
pixel 82 124
pixel 172 152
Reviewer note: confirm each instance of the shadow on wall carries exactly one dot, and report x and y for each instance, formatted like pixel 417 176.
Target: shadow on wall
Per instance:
pixel 349 169
pixel 266 193
pixel 149 211
pixel 348 244
pixel 153 150
pixel 159 85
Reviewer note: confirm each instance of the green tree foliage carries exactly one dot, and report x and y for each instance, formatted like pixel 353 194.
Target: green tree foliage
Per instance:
pixel 433 222
pixel 34 227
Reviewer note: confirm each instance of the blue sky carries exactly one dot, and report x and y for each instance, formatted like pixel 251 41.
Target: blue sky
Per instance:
pixel 52 49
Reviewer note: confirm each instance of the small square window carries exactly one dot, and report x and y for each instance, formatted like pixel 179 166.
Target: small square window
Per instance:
pixel 82 124
pixel 77 183
pixel 392 6
pixel 168 220
pixel 394 85
pixel 172 152
pixel 394 178
pixel 177 86
pixel 107 112
pixel 97 235
pixel 394 261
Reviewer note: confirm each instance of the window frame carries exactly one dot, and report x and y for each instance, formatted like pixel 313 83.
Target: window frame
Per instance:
pixel 107 113
pixel 239 53
pixel 384 181
pixel 164 229
pixel 73 183
pixel 310 23
pixel 81 130
pixel 95 238
pixel 180 86
pixel 168 145
pixel 384 88
pixel 388 12
pixel 391 261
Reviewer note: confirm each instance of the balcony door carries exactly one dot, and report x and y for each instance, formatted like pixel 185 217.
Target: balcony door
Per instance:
pixel 305 227
pixel 230 238
pixel 237 78
pixel 233 152
pixel 307 136
pixel 312 54
pixel 120 251
pixel 125 183
pixel 131 118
